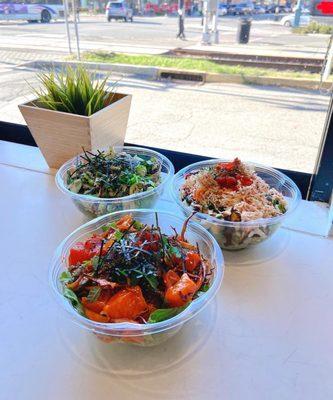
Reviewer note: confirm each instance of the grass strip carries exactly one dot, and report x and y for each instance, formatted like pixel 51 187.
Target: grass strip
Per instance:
pixel 192 64
pixel 314 27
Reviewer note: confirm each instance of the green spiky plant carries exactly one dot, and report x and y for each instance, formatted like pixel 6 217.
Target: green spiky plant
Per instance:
pixel 75 91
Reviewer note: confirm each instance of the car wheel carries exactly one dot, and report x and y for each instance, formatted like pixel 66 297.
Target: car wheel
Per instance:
pixel 125 19
pixel 45 17
pixel 287 24
pixel 131 19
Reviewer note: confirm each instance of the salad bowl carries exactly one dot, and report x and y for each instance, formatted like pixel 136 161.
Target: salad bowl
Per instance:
pixel 236 235
pixel 148 333
pixel 92 205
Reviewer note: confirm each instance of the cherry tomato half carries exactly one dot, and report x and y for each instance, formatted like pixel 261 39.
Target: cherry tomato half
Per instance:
pixel 226 181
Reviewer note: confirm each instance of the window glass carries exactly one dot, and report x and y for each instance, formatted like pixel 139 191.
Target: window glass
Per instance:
pixel 260 93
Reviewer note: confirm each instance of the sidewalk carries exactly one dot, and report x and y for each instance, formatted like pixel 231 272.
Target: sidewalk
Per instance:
pixel 293 119
pixel 35 52
pixel 14 57
pixel 262 50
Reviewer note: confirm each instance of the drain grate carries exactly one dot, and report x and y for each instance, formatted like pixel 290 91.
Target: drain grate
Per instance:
pixel 181 76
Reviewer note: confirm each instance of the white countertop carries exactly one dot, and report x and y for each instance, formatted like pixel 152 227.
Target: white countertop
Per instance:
pixel 267 335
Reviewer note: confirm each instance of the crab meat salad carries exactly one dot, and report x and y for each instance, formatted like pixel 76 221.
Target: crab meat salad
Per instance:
pixel 108 174
pixel 231 191
pixel 132 272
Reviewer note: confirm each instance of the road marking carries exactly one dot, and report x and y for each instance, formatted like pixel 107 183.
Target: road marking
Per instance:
pixel 44 35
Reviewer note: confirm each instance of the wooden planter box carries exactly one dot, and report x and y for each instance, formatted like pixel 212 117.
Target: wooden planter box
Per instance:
pixel 60 136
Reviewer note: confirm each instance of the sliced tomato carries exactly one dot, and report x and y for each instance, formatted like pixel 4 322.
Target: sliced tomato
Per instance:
pixel 78 253
pixel 227 181
pixel 84 251
pixel 192 261
pixel 246 181
pixel 127 303
pixel 94 243
pixel 181 292
pixel 228 166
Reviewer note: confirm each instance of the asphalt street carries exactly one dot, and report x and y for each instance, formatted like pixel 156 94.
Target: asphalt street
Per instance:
pixel 147 35
pixel 275 126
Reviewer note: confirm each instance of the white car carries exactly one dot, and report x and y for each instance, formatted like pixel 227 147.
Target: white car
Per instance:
pixel 289 20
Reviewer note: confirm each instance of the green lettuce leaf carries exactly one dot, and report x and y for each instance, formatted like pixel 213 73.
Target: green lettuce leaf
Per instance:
pixel 161 314
pixel 65 277
pixel 71 296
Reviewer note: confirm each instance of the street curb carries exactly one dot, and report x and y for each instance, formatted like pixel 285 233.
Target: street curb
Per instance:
pixel 155 73
pixel 268 81
pixel 145 71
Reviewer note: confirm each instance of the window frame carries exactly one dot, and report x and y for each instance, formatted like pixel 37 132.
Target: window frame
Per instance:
pixel 321 184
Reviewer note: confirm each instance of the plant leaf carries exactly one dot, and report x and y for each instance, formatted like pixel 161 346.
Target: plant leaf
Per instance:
pixel 161 314
pixel 71 296
pixel 73 91
pixel 152 280
pixel 94 293
pixel 65 277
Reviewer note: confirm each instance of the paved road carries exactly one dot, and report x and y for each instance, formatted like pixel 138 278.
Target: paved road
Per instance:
pixel 147 35
pixel 280 127
pixel 274 126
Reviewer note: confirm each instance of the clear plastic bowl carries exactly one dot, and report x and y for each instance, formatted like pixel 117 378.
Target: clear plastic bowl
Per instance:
pixel 140 334
pixel 239 235
pixel 93 206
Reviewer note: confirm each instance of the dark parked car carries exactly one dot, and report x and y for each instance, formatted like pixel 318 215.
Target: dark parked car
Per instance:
pixel 240 9
pixel 259 9
pixel 231 8
pixel 275 9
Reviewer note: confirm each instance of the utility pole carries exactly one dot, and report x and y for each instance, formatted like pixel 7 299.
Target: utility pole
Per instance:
pixel 328 61
pixel 210 21
pixel 298 13
pixel 215 19
pixel 67 26
pixel 76 30
pixel 181 17
pixel 205 27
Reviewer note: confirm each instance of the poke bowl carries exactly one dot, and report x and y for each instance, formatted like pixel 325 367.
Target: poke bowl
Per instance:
pixel 241 204
pixel 120 178
pixel 144 290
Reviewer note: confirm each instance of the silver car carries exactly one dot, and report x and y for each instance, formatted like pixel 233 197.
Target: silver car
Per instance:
pixel 118 10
